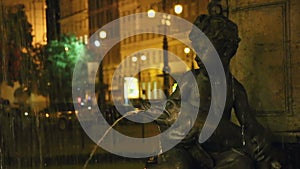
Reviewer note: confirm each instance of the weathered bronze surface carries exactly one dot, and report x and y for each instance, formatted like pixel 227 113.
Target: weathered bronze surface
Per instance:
pixel 231 146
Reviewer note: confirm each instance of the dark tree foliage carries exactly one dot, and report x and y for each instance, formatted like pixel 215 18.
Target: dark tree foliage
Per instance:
pixel 17 61
pixel 45 70
pixel 62 55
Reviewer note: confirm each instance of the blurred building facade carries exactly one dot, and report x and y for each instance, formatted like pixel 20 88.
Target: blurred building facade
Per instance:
pixel 35 11
pixel 74 18
pixel 101 13
pixel 75 14
pixel 36 14
pixel 53 15
pixel 152 80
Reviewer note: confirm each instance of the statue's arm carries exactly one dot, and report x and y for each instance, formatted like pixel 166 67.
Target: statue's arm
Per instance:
pixel 180 101
pixel 255 135
pixel 242 111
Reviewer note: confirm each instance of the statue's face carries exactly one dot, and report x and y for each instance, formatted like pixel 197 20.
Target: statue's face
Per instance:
pixel 222 34
pixel 204 50
pixel 201 48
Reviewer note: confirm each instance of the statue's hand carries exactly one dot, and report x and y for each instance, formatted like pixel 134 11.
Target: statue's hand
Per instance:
pixel 170 114
pixel 263 153
pixel 262 149
pixel 165 114
pixel 185 129
pixel 259 147
pixel 145 105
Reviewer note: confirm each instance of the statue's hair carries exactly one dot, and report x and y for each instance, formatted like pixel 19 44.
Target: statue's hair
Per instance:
pixel 220 30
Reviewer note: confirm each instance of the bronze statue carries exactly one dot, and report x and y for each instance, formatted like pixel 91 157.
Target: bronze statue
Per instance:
pixel 231 146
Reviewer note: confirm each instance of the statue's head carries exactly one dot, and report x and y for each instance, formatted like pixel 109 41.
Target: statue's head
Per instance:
pixel 222 32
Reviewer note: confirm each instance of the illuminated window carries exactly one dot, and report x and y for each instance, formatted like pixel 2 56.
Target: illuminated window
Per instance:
pixel 149 90
pixel 131 88
pixel 174 87
pixel 85 39
pixel 155 88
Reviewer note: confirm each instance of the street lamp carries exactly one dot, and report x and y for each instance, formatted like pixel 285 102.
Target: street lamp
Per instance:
pixel 151 13
pixel 166 22
pixel 102 86
pixel 102 34
pixel 138 61
pixel 187 51
pixel 178 9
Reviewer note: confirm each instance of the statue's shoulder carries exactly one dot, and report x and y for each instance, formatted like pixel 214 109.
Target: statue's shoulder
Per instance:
pixel 237 83
pixel 188 75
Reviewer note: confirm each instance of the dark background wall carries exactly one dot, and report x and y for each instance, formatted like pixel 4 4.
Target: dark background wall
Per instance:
pixel 268 62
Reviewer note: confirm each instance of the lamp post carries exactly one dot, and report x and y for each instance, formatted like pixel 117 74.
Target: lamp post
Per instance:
pixel 166 68
pixel 102 86
pixel 138 61
pixel 166 22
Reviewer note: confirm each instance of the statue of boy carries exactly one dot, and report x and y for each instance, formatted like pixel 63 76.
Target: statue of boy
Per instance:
pixel 231 146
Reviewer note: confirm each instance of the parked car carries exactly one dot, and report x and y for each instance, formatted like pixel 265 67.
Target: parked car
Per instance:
pixel 62 115
pixel 87 114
